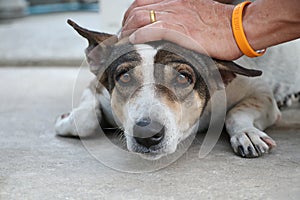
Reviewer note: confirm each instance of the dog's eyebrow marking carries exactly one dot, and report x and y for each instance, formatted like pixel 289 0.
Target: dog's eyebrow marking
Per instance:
pixel 166 57
pixel 130 57
pixel 163 58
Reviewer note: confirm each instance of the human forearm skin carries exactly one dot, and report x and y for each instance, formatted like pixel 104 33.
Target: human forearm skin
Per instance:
pixel 271 22
pixel 205 25
pixel 225 1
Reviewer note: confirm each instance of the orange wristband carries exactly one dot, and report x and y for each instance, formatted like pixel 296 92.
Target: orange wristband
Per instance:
pixel 239 34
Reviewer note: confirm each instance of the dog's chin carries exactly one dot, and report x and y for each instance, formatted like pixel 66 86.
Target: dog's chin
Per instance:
pixel 151 154
pixel 156 155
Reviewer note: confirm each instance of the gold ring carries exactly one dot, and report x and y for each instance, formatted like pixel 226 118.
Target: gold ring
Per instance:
pixel 152 16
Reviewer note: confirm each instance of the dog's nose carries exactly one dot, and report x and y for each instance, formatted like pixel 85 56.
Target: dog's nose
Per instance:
pixel 148 133
pixel 143 122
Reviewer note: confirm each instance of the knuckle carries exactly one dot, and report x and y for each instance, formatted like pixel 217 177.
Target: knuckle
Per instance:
pixel 139 2
pixel 134 11
pixel 138 17
pixel 181 2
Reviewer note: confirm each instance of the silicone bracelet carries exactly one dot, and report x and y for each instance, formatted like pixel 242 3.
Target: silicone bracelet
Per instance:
pixel 239 34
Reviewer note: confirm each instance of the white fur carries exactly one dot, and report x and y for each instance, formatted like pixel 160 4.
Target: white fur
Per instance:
pixel 244 122
pixel 83 120
pixel 147 54
pixel 145 104
pixel 281 68
pixel 250 109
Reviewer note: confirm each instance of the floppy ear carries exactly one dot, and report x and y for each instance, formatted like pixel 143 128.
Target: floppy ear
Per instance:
pixel 98 48
pixel 228 71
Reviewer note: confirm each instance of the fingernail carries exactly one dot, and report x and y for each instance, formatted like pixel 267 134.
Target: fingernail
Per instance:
pixel 132 38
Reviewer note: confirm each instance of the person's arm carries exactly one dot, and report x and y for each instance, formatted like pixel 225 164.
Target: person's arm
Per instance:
pixel 205 25
pixel 271 22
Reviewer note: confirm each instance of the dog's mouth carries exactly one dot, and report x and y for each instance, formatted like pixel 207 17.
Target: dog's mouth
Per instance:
pixel 151 153
pixel 148 139
pixel 153 150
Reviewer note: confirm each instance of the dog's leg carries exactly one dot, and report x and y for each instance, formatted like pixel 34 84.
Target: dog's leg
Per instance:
pixel 246 121
pixel 83 120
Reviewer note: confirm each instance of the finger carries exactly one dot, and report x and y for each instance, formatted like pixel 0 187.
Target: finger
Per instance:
pixel 138 3
pixel 138 19
pixel 142 18
pixel 126 33
pixel 164 31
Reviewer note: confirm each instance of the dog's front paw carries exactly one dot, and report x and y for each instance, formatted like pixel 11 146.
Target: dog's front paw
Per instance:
pixel 251 143
pixel 64 125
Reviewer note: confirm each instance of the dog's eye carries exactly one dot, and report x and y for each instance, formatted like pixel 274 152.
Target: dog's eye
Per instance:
pixel 124 78
pixel 123 75
pixel 183 79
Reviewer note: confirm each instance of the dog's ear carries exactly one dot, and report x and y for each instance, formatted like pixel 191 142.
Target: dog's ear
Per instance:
pixel 228 71
pixel 98 48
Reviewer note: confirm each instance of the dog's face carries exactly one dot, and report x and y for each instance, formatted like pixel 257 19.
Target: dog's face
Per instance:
pixel 157 94
pixel 157 97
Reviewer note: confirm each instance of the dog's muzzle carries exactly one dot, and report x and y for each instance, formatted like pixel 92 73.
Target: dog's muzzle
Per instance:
pixel 148 133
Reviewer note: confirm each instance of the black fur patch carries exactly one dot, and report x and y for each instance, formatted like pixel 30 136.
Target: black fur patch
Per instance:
pixel 121 54
pixel 165 57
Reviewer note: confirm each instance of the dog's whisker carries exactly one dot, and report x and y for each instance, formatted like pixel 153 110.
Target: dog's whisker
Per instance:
pixel 112 128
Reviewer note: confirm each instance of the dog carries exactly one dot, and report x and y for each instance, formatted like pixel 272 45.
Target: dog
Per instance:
pixel 158 97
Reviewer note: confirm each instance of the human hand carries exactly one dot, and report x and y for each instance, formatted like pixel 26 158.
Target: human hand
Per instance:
pixel 200 25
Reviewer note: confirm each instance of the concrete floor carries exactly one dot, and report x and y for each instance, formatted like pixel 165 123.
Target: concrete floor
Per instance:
pixel 35 164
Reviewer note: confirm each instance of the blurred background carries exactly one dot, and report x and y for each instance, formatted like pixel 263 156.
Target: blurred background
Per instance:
pixel 35 32
pixel 19 8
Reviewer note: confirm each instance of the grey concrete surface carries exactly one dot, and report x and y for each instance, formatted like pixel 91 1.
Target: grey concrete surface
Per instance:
pixel 35 164
pixel 45 39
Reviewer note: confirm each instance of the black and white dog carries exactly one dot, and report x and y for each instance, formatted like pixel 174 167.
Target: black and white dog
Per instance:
pixel 159 97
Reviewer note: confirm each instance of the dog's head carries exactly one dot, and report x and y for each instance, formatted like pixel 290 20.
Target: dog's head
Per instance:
pixel 157 94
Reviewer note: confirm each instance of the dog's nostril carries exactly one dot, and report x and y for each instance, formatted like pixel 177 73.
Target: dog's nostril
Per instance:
pixel 143 122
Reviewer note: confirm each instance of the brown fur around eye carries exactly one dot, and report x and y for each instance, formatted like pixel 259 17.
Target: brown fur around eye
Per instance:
pixel 183 79
pixel 125 78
